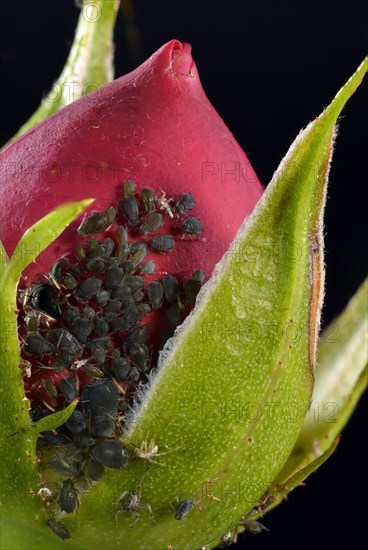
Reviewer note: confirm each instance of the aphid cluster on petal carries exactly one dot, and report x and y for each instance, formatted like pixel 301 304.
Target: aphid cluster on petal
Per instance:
pixel 85 329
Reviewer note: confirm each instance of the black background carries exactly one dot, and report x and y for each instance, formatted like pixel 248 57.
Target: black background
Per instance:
pixel 269 68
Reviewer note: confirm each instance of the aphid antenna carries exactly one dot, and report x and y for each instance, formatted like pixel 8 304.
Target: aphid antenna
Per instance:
pixel 118 387
pixel 48 406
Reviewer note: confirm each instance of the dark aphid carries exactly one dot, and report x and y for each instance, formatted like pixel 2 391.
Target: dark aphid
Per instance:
pixel 50 388
pixel 68 498
pixel 121 369
pixel 100 397
pixel 82 328
pixel 134 282
pixel 185 202
pixel 191 289
pixel 110 215
pixel 192 226
pixel 143 309
pixel 146 268
pixel 129 188
pixel 58 529
pixel 103 426
pixel 138 335
pixel 52 437
pixel 76 422
pixel 95 471
pixel 112 262
pixel 111 453
pixel 130 209
pixel 115 323
pixel 70 314
pixel 76 270
pixel 122 234
pixel 64 465
pixel 138 296
pixel 88 312
pixel 113 306
pixel 32 322
pixel 88 288
pixel 151 223
pixel 162 243
pixel 122 252
pixel 37 413
pixel 43 298
pixel 97 252
pixel 100 326
pixel 103 343
pixel 63 339
pixel 95 265
pixel 183 509
pixel 35 344
pixel 102 297
pixel 148 199
pixel 134 374
pixel 99 355
pixel 64 358
pixel 57 270
pixel 115 354
pixel 80 252
pixel 122 293
pixel 138 251
pixel 155 294
pixel 129 318
pixel 93 371
pixel 74 451
pixel 93 243
pixel 68 388
pixel 108 247
pixel 139 355
pixel 174 315
pixel 199 274
pixel 95 223
pixel 113 277
pixel 86 440
pixel 171 287
pixel 128 267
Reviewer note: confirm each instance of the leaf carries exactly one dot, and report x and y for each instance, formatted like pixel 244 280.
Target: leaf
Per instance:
pixel 277 492
pixel 19 469
pixel 233 386
pixel 54 420
pixel 90 61
pixel 300 475
pixel 342 377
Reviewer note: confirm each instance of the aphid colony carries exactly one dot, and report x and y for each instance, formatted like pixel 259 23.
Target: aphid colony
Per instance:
pixel 84 337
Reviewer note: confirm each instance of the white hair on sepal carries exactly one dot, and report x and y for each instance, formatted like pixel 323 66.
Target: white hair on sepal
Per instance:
pixel 139 395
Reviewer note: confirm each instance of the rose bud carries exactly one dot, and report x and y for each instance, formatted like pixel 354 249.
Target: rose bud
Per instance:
pixel 99 303
pixel 128 453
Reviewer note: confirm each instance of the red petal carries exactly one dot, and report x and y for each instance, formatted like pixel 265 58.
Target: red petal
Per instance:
pixel 155 126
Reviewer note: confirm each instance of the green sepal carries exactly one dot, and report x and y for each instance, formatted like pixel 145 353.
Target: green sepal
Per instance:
pixel 54 420
pixel 19 474
pixel 341 379
pixel 90 61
